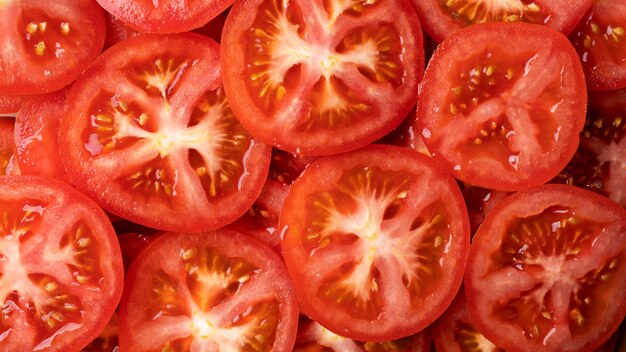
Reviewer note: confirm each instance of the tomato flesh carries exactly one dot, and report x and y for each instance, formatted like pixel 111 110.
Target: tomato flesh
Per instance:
pixel 55 273
pixel 305 66
pixel 515 111
pixel 161 133
pixel 546 270
pixel 219 290
pixel 370 250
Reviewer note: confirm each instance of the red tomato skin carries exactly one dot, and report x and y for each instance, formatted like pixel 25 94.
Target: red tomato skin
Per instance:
pixel 434 88
pixel 527 203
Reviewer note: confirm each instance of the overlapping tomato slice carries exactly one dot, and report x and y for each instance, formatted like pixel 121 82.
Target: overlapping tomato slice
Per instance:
pixel 7 145
pixel 375 242
pixel 601 43
pixel 547 270
pixel 37 135
pixel 321 77
pixel 441 18
pixel 503 114
pixel 150 135
pixel 218 291
pixel 47 44
pixel 61 269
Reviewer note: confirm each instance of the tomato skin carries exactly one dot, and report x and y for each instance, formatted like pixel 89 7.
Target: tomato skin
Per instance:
pixel 165 253
pixel 10 104
pixel 516 123
pixel 327 217
pixel 71 38
pixel 304 120
pixel 62 204
pixel 506 290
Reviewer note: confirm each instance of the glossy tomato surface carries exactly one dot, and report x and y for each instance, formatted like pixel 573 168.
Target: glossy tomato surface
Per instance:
pixel 61 269
pixel 503 114
pixel 149 134
pixel 321 77
pixel 217 291
pixel 442 18
pixel 7 145
pixel 165 16
pixel 547 270
pixel 47 44
pixel 601 43
pixel 10 104
pixel 375 242
pixel 312 337
pixel 37 135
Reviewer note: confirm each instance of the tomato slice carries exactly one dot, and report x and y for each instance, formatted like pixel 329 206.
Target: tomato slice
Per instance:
pixel 10 104
pixel 503 114
pixel 150 135
pixel 218 291
pixel 321 77
pixel 441 18
pixel 261 220
pixel 47 44
pixel 37 135
pixel 600 161
pixel 117 31
pixel 479 202
pixel 600 41
pixel 455 332
pixel 547 270
pixel 61 269
pixel 312 337
pixel 165 16
pixel 375 241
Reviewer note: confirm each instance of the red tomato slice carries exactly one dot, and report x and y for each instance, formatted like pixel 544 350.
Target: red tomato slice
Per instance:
pixel 600 41
pixel 117 31
pixel 218 291
pixel 547 270
pixel 503 114
pixel 10 104
pixel 600 162
pixel 165 16
pixel 107 341
pixel 321 77
pixel 150 135
pixel 375 242
pixel 455 332
pixel 261 220
pixel 47 44
pixel 479 202
pixel 37 135
pixel 312 337
pixel 441 18
pixel 61 269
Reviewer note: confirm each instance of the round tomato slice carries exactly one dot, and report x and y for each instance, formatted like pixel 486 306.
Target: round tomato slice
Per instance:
pixel 218 291
pixel 312 337
pixel 37 135
pixel 441 18
pixel 502 104
pixel 455 332
pixel 61 270
pixel 547 270
pixel 7 145
pixel 321 77
pixel 150 135
pixel 165 16
pixel 47 44
pixel 375 241
pixel 601 43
